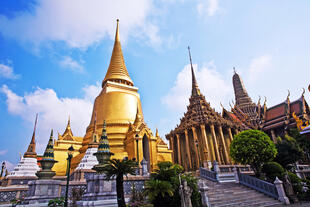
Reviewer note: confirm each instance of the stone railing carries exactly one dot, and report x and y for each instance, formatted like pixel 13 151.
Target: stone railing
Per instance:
pixel 302 171
pixel 259 185
pixel 208 174
pixel 274 190
pixel 230 168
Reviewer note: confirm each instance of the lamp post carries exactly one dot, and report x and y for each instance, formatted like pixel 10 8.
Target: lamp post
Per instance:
pixel 137 140
pixel 70 155
pixel 196 142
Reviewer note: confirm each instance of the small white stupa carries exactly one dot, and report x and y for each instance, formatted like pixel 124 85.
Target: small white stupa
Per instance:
pixel 90 160
pixel 28 165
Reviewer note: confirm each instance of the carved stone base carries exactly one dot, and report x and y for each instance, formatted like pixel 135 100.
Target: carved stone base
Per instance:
pixel 41 191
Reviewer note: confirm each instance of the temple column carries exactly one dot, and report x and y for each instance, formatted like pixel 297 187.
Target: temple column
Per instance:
pixel 204 137
pixel 216 147
pixel 273 136
pixel 179 149
pixel 196 150
pixel 230 135
pixel 172 148
pixel 226 158
pixel 187 149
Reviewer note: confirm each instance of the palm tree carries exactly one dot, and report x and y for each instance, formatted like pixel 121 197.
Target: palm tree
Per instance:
pixel 114 168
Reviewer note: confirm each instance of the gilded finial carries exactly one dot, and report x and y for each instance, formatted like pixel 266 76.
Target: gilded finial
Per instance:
pixel 234 70
pixel 117 31
pixel 265 100
pixel 221 105
pixel 69 121
pixel 157 134
pixel 303 92
pixel 288 94
pixel 195 89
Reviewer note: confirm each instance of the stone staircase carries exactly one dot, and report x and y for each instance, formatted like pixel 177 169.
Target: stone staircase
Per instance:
pixel 236 195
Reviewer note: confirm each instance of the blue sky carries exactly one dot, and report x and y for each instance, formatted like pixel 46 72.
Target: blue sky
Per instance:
pixel 54 55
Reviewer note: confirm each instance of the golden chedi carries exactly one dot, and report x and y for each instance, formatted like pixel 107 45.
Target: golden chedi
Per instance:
pixel 119 105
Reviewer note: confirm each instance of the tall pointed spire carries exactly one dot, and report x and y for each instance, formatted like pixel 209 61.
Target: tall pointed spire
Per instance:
pixel 195 89
pixel 31 151
pixel 241 94
pixel 117 70
pixel 49 151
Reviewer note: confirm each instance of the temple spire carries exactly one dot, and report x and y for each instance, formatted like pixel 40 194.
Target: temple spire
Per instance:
pixel 117 71
pixel 31 151
pixel 241 94
pixel 49 151
pixel 195 89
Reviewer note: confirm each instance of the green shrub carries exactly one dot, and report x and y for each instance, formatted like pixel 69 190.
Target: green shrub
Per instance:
pixel 273 170
pixel 57 202
pixel 252 147
pixel 296 183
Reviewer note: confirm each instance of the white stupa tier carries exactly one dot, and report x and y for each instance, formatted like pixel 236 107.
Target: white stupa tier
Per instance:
pixel 89 160
pixel 26 167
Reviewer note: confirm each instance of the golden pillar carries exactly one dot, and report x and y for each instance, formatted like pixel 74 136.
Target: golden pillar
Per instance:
pixel 196 150
pixel 172 147
pixel 230 135
pixel 208 144
pixel 179 149
pixel 226 157
pixel 187 149
pixel 216 147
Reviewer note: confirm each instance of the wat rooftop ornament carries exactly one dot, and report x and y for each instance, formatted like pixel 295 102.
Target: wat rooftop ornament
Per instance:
pixel 47 161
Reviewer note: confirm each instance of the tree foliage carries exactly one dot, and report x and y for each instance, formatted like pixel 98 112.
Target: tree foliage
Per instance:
pixel 303 142
pixel 252 147
pixel 273 170
pixel 288 151
pixel 115 168
pixel 163 186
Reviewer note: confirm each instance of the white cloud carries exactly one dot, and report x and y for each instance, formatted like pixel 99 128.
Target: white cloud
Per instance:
pixel 259 66
pixel 80 23
pixel 210 82
pixel 53 110
pixel 7 71
pixel 3 152
pixel 68 62
pixel 209 7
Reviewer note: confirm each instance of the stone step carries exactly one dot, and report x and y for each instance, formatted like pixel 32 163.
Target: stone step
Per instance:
pixel 236 199
pixel 248 203
pixel 236 195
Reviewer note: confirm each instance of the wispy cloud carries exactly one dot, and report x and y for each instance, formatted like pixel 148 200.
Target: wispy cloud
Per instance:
pixel 210 82
pixel 209 7
pixel 7 71
pixel 3 152
pixel 53 110
pixel 68 62
pixel 80 24
pixel 259 66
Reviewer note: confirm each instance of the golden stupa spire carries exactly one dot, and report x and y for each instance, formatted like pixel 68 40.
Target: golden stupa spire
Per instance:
pixel 31 151
pixel 117 71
